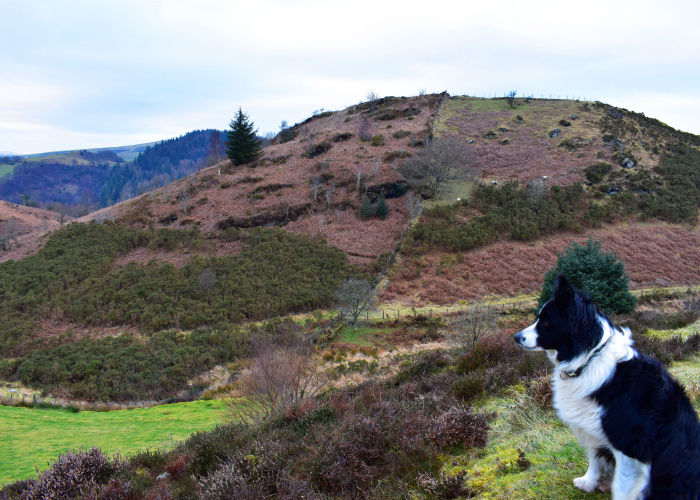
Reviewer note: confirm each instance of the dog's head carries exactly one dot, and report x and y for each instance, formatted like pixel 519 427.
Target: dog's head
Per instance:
pixel 566 326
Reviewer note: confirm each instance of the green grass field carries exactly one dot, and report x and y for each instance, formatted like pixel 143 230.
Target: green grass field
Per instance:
pixel 6 169
pixel 30 437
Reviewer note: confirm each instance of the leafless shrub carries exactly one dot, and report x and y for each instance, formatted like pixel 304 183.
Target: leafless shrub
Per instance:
pixel 460 426
pixel 104 216
pixel 207 281
pixel 185 198
pixel 535 189
pixel 354 297
pixel 9 233
pixel 315 184
pixel 471 325
pixel 365 131
pixel 328 194
pixel 441 160
pixel 228 481
pixel 281 374
pixel 372 98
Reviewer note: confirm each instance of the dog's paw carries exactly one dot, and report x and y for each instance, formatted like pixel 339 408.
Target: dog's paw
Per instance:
pixel 604 487
pixel 585 484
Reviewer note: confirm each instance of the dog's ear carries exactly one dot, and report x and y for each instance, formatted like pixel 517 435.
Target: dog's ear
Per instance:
pixel 564 292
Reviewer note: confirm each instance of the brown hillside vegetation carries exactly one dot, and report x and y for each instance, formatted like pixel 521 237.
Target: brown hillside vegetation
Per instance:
pixel 516 143
pixel 325 158
pixel 313 184
pixel 654 254
pixel 31 224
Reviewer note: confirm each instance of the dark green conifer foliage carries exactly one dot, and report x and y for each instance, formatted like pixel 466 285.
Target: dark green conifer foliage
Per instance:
pixel 382 207
pixel 602 274
pixel 242 143
pixel 366 209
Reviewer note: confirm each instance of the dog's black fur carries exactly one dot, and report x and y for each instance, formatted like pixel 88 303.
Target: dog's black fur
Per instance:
pixel 642 416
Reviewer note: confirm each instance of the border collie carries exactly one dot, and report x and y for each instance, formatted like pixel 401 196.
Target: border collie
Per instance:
pixel 623 407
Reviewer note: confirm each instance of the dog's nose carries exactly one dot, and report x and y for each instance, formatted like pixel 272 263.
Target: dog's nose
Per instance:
pixel 518 337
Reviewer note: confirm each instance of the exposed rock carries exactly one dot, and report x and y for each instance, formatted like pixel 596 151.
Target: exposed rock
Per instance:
pixel 565 123
pixel 627 163
pixel 573 117
pixel 555 133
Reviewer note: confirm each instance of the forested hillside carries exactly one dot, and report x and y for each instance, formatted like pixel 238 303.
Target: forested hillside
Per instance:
pixel 81 182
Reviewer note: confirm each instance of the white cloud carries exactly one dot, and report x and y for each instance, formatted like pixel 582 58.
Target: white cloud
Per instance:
pixel 103 71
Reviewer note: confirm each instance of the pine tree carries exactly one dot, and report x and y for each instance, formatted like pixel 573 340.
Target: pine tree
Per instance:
pixel 602 274
pixel 242 143
pixel 382 207
pixel 366 209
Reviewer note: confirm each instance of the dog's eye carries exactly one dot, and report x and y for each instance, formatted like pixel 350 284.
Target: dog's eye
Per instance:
pixel 545 323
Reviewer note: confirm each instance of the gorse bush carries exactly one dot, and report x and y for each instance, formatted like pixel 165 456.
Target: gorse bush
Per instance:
pixel 508 213
pixel 73 278
pixel 126 368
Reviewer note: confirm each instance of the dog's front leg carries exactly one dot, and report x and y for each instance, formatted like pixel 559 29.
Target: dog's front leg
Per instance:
pixel 630 479
pixel 589 481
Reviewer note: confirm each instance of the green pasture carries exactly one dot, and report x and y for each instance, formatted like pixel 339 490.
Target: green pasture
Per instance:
pixel 6 169
pixel 34 437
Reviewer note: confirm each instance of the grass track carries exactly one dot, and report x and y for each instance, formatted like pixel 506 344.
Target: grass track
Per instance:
pixel 30 437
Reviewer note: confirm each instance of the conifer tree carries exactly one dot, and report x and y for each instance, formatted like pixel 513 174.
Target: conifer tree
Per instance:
pixel 366 209
pixel 382 207
pixel 589 268
pixel 242 143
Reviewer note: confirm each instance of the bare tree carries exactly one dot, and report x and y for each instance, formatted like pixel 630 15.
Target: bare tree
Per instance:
pixel 321 219
pixel 510 98
pixel 372 98
pixel 359 177
pixel 185 197
pixel 10 233
pixel 535 189
pixel 315 184
pixel 282 373
pixel 207 281
pixel 442 160
pixel 471 325
pixel 354 297
pixel 328 194
pixel 365 130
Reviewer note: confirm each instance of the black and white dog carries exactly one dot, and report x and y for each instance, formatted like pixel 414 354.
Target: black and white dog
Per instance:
pixel 623 407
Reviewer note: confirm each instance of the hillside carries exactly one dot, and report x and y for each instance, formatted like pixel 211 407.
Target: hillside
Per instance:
pixel 79 182
pixel 171 296
pixel 191 254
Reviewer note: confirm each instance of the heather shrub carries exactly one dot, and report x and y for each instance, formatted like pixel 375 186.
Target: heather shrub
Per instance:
pixel 459 427
pixel 444 487
pixel 470 386
pixel 73 474
pixel 319 149
pixel 421 366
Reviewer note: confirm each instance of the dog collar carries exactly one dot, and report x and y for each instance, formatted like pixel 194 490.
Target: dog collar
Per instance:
pixel 577 372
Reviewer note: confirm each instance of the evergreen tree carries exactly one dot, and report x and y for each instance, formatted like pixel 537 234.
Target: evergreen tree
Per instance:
pixel 382 207
pixel 602 274
pixel 242 143
pixel 366 209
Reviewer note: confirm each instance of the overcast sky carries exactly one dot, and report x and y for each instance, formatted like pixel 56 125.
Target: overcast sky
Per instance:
pixel 88 74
